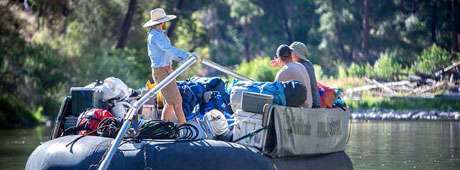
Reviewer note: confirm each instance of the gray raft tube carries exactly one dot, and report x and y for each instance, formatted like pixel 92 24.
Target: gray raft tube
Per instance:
pixel 86 153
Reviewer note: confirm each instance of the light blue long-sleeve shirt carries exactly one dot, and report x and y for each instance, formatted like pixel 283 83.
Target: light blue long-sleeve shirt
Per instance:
pixel 161 51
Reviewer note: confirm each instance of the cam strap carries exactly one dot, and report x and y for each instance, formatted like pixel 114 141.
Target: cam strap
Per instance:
pixel 251 134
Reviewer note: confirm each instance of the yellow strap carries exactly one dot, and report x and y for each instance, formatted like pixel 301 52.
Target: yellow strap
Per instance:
pixel 149 85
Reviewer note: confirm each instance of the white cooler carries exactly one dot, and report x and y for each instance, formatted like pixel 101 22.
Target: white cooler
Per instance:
pixel 236 97
pixel 247 122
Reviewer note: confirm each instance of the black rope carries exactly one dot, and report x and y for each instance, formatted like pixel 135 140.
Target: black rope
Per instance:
pixel 157 129
pixel 108 127
pixel 187 132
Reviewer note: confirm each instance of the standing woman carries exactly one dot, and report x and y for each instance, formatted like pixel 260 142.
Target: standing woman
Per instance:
pixel 161 54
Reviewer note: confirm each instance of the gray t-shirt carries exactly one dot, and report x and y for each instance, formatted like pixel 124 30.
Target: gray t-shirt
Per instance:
pixel 314 88
pixel 296 71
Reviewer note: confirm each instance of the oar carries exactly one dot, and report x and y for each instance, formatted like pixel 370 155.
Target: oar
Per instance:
pixel 225 70
pixel 132 111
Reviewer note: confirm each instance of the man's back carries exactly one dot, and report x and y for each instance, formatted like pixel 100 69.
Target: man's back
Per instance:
pixel 314 89
pixel 296 71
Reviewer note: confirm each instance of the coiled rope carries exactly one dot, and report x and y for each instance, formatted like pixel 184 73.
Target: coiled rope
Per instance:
pixel 157 129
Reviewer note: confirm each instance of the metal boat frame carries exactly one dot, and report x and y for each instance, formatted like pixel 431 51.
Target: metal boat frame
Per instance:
pixel 131 113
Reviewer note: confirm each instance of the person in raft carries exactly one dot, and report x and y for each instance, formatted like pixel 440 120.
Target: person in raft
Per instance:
pixel 292 70
pixel 161 54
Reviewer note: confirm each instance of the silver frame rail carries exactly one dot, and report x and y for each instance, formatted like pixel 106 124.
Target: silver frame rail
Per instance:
pixel 225 70
pixel 136 106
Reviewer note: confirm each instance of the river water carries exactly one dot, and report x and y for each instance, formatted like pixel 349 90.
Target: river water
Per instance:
pixel 373 145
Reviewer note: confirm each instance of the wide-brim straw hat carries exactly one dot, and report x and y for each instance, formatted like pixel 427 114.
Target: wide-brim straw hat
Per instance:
pixel 158 16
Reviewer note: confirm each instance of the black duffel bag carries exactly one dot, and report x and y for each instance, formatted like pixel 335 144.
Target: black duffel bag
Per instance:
pixel 295 92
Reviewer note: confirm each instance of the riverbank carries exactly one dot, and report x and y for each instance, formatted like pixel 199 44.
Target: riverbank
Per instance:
pixel 15 114
pixel 404 103
pixel 389 114
pixel 404 108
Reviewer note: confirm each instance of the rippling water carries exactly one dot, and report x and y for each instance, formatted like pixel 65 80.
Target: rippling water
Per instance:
pixel 16 145
pixel 405 145
pixel 373 145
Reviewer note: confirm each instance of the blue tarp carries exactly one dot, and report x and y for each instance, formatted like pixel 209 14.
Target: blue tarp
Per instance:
pixel 194 104
pixel 275 89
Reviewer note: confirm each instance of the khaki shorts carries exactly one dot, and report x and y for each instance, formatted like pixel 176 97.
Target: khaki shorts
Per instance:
pixel 170 92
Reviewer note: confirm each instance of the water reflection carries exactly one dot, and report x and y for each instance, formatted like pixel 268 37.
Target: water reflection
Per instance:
pixel 373 145
pixel 17 144
pixel 339 160
pixel 405 145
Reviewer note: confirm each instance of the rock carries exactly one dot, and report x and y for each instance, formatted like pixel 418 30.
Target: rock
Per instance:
pixel 375 114
pixel 456 116
pixel 444 115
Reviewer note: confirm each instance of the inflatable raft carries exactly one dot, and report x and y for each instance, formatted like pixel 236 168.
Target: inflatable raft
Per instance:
pixel 290 138
pixel 86 153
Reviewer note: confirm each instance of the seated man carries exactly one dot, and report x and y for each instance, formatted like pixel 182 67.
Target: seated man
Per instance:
pixel 299 54
pixel 293 71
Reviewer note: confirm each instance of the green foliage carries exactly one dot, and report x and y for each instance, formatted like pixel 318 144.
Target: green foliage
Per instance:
pixel 341 70
pixel 33 73
pixel 13 113
pixel 244 11
pixel 386 67
pixel 258 69
pixel 356 70
pixel 319 72
pixel 37 114
pixel 399 103
pixel 432 59
pixel 58 44
pixel 131 66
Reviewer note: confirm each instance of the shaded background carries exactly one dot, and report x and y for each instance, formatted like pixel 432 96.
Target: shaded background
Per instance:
pixel 47 46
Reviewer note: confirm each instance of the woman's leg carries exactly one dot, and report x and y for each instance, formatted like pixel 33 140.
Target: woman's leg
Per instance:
pixel 167 113
pixel 179 113
pixel 172 96
pixel 159 74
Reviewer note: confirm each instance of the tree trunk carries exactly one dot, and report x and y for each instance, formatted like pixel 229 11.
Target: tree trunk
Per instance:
pixel 455 5
pixel 173 25
pixel 126 25
pixel 434 20
pixel 65 11
pixel 285 19
pixel 365 42
pixel 414 6
pixel 247 44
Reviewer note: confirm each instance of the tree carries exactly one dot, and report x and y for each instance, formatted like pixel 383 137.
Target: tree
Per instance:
pixel 173 25
pixel 365 44
pixel 243 14
pixel 455 15
pixel 434 20
pixel 285 18
pixel 126 25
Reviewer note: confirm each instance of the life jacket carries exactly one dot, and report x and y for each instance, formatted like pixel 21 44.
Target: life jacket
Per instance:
pixel 327 95
pixel 150 84
pixel 88 121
